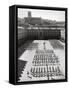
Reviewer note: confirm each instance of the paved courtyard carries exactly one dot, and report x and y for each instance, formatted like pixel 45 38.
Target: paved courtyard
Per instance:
pixel 45 61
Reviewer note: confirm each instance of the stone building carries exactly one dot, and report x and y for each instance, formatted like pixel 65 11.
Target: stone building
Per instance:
pixel 36 28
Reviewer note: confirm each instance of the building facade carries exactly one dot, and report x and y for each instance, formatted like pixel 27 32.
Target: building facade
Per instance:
pixel 36 28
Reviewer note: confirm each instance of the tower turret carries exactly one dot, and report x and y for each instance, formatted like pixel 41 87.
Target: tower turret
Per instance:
pixel 29 14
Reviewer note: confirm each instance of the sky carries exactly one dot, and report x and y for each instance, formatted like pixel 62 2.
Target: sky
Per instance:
pixel 44 14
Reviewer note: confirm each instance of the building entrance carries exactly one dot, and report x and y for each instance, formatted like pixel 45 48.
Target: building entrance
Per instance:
pixel 40 35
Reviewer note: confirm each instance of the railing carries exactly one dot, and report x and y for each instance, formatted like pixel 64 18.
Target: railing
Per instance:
pixel 47 27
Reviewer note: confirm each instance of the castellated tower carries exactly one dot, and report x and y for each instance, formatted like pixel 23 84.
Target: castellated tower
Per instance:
pixel 29 14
